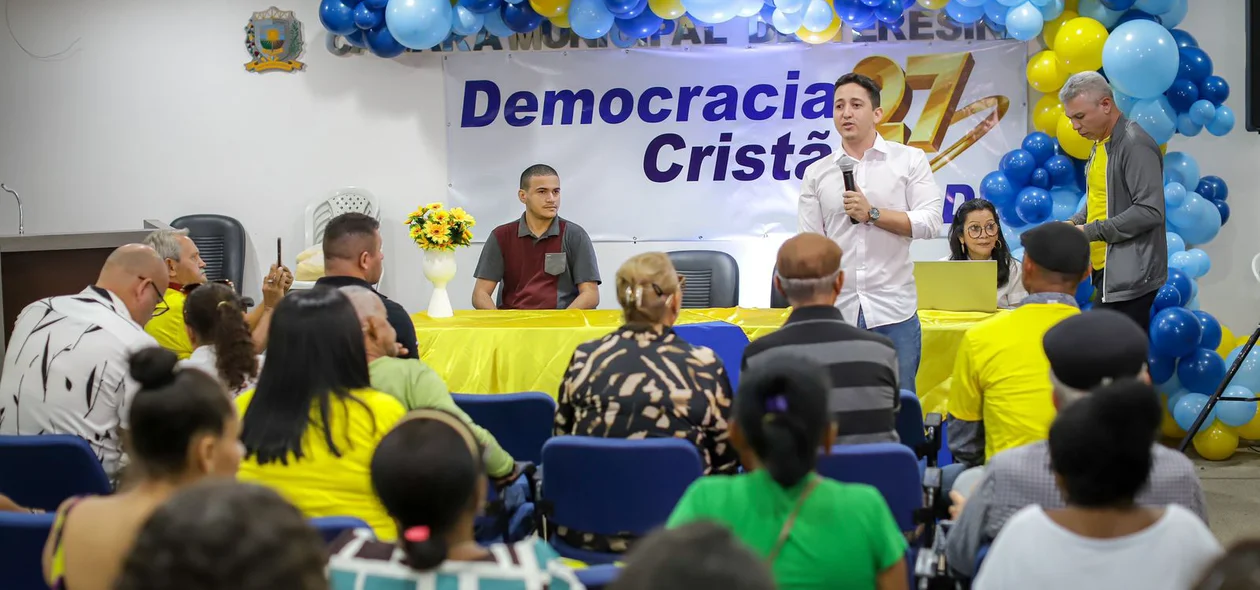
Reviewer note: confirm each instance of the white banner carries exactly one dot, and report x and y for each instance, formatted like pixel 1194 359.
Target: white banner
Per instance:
pixel 711 142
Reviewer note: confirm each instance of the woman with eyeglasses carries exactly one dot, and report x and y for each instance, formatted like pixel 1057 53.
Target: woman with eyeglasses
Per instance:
pixel 222 344
pixel 976 234
pixel 643 381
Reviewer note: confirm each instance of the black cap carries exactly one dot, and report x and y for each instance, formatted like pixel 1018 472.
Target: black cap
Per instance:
pixel 1097 345
pixel 1058 247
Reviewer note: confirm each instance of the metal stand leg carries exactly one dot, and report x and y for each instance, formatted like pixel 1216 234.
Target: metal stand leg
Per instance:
pixel 1229 376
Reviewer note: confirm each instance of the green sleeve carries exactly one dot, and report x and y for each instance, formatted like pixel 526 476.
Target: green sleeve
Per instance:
pixel 888 545
pixel 689 506
pixel 427 390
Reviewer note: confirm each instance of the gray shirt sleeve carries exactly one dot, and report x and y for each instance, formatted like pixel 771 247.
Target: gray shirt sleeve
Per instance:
pixel 966 441
pixel 967 535
pixel 581 255
pixel 490 265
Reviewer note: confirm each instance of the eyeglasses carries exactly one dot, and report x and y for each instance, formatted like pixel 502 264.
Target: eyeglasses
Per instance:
pixel 990 229
pixel 161 306
pixel 188 289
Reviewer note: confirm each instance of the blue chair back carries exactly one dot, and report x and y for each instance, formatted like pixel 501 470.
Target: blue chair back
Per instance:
pixel 596 577
pixel 910 420
pixel 22 538
pixel 331 527
pixel 727 341
pixel 43 471
pixel 890 467
pixel 612 486
pixel 521 422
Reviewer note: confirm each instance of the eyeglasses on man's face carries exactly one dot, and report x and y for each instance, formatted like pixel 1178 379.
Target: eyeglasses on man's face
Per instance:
pixel 161 307
pixel 989 229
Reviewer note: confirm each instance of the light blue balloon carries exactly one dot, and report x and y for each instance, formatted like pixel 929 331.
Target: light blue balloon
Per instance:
pixel 1011 235
pixel 1188 409
pixel 1189 212
pixel 1187 126
pixel 1175 397
pixel 1202 263
pixel 710 11
pixel 1175 242
pixel 419 24
pixel 1065 200
pixel 1018 254
pixel 786 22
pixel 1052 9
pixel 1248 375
pixel 1123 101
pixel 1181 167
pixel 996 12
pixel 466 22
pixel 790 6
pixel 818 16
pixel 1174 195
pixel 1204 227
pixel 1171 387
pixel 1095 10
pixel 1010 3
pixel 1194 289
pixel 1141 59
pixel 1024 22
pixel 1236 413
pixel 1155 7
pixel 964 14
pixel 591 19
pixel 1176 14
pixel 1182 261
pixel 1222 123
pixel 972 3
pixel 1157 117
pixel 495 25
pixel 1202 111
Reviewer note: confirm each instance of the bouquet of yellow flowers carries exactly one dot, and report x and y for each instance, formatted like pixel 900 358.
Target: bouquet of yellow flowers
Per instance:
pixel 433 227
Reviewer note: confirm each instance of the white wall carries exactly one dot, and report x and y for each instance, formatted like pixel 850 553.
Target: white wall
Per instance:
pixel 152 115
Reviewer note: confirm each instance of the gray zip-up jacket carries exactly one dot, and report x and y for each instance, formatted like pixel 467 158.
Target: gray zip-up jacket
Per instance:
pixel 1137 247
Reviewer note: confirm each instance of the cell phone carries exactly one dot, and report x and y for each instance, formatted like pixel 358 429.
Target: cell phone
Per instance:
pixel 279 258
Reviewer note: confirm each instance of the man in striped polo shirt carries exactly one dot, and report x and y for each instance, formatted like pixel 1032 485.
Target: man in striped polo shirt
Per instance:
pixel 861 365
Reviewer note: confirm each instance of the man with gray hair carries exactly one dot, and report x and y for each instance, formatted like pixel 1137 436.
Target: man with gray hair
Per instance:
pixel 862 365
pixel 1086 351
pixel 1124 214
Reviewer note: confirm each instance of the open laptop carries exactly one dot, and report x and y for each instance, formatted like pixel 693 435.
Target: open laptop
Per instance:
pixel 957 285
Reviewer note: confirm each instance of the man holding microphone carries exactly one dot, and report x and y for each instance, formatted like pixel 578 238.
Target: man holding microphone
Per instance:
pixel 888 199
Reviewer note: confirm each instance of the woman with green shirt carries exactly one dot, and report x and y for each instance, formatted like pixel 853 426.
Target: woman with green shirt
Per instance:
pixel 814 532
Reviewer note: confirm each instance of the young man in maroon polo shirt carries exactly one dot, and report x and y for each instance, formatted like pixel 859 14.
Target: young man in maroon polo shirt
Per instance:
pixel 542 260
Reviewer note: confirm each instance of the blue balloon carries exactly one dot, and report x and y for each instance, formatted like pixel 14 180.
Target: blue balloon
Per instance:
pixel 786 22
pixel 1214 89
pixel 1060 168
pixel 1161 368
pixel 872 3
pixel 465 21
pixel 1188 409
pixel 1205 225
pixel 383 44
pixel 973 3
pixel 790 6
pixel 1248 374
pixel 1018 166
pixel 1202 112
pixel 419 24
pixel 1201 370
pixel 1065 200
pixel 1140 58
pixel 1183 262
pixel 1175 242
pixel 495 25
pixel 1181 167
pixel 1040 145
pixel 1213 188
pixel 1183 38
pixel 1176 14
pixel 818 16
pixel 521 18
pixel 1010 3
pixel 891 12
pixel 1171 388
pixel 1084 293
pixel 1202 265
pixel 1211 330
pixel 590 19
pixel 366 18
pixel 1195 65
pixel 1094 9
pixel 1222 209
pixel 1040 178
pixel 1120 5
pixel 358 39
pixel 1157 7
pixel 376 4
pixel 620 7
pixel 1166 297
pixel 337 16
pixel 1182 283
pixel 1137 15
pixel 1222 123
pixel 1052 9
pixel 1024 22
pixel 963 14
pixel 1188 213
pixel 1235 407
pixel 1182 94
pixel 1034 205
pixel 1187 126
pixel 1009 217
pixel 996 12
pixel 647 24
pixel 1174 195
pixel 1156 117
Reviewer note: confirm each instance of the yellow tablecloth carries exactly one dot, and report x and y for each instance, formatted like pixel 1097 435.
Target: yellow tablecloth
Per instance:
pixel 508 351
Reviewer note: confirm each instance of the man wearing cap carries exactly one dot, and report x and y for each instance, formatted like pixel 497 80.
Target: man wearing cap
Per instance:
pixel 999 397
pixel 1085 351
pixel 862 364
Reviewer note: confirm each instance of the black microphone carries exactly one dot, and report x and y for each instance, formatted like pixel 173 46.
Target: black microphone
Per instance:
pixel 850 184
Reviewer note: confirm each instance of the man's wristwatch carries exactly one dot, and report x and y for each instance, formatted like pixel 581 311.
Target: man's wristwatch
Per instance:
pixel 874 215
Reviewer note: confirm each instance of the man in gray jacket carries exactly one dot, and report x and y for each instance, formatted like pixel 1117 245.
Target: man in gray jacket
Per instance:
pixel 1124 214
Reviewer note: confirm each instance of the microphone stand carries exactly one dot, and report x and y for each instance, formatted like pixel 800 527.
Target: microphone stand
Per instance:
pixel 21 227
pixel 1229 376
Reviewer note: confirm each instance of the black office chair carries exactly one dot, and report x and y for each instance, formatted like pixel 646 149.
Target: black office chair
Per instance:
pixel 712 278
pixel 221 240
pixel 777 299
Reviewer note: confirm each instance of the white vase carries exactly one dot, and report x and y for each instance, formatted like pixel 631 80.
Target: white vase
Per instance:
pixel 439 268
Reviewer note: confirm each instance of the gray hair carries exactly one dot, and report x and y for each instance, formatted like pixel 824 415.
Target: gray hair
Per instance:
pixel 366 303
pixel 166 242
pixel 1065 395
pixel 1090 84
pixel 797 290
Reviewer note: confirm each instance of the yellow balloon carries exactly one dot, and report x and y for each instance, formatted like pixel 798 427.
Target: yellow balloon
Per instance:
pixel 1051 28
pixel 550 8
pixel 1217 443
pixel 1079 44
pixel 824 36
pixel 1250 430
pixel 1242 340
pixel 1046 114
pixel 1072 143
pixel 1044 73
pixel 1168 426
pixel 1227 342
pixel 667 9
pixel 561 21
pixel 933 4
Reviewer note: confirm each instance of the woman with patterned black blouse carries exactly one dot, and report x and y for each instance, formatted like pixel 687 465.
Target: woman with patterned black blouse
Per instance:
pixel 644 381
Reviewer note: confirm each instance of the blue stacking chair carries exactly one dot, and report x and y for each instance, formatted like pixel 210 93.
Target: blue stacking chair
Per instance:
pixel 22 538
pixel 43 471
pixel 889 467
pixel 727 341
pixel 613 486
pixel 924 437
pixel 521 422
pixel 596 577
pixel 331 527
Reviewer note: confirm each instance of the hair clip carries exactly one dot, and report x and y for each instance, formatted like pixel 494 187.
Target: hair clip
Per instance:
pixel 417 534
pixel 776 404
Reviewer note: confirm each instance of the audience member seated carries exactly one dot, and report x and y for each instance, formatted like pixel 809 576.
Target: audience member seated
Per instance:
pixel 353 257
pixel 1238 569
pixel 183 429
pixel 428 473
pixel 222 345
pixel 814 532
pixel 312 423
pixel 187 271
pixel 1085 351
pixel 412 382
pixel 8 505
pixel 976 234
pixel 541 261
pixel 691 557
pixel 1100 450
pixel 220 535
pixel 864 396
pixel 65 366
pixel 1000 394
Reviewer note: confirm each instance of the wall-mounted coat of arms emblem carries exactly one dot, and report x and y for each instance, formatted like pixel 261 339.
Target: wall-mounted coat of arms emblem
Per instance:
pixel 274 39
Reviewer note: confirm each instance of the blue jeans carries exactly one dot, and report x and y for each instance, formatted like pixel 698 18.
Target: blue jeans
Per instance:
pixel 907 338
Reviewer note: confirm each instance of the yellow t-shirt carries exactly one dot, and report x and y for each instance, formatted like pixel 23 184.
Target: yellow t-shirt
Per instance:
pixel 323 484
pixel 1096 204
pixel 168 328
pixel 1002 377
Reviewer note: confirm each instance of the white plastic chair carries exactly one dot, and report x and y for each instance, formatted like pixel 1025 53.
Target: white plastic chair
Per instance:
pixel 351 199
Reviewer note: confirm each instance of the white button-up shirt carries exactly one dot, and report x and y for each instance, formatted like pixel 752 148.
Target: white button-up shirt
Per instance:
pixel 879 275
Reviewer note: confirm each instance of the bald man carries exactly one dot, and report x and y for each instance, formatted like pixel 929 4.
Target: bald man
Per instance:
pixel 862 365
pixel 66 365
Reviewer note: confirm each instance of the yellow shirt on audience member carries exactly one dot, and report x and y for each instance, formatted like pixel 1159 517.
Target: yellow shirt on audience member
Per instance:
pixel 323 484
pixel 1096 203
pixel 168 328
pixel 1002 378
